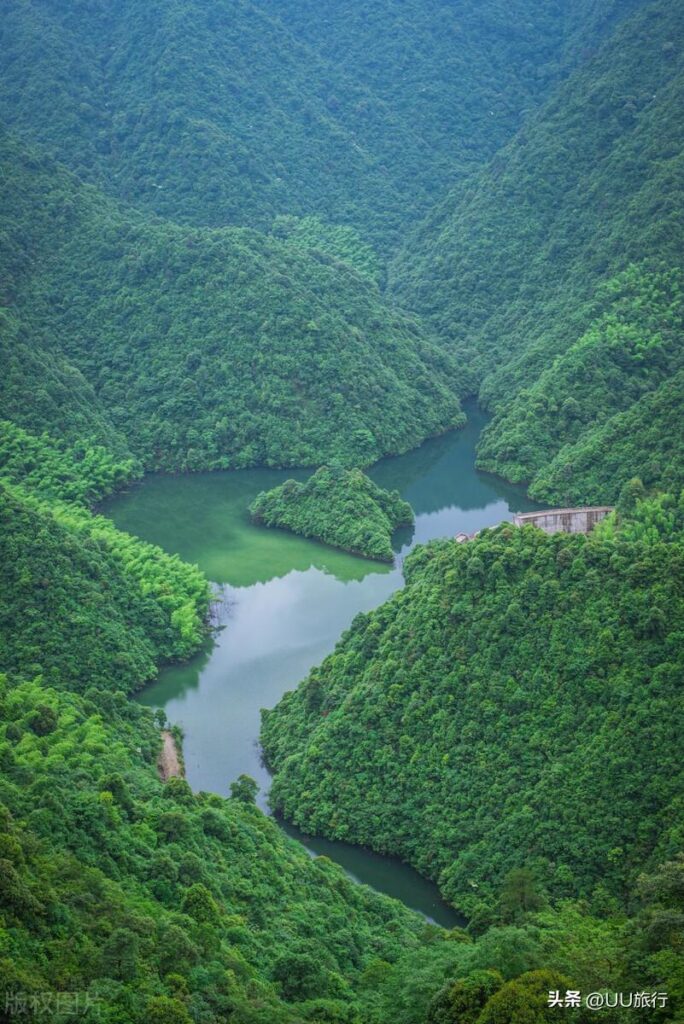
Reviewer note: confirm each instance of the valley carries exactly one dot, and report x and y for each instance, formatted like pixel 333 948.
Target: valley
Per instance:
pixel 395 246
pixel 287 602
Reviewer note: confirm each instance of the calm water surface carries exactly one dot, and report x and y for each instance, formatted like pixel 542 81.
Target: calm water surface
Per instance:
pixel 287 600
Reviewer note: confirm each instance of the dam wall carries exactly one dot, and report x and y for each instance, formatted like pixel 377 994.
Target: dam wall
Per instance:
pixel 564 520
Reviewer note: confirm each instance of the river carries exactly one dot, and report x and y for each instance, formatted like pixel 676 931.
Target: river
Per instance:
pixel 287 600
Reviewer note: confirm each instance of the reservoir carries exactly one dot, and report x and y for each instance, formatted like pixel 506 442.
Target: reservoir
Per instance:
pixel 286 601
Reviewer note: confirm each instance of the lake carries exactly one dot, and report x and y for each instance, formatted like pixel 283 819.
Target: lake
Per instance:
pixel 285 602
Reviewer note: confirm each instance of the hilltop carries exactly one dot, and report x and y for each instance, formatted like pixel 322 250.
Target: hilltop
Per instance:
pixel 203 348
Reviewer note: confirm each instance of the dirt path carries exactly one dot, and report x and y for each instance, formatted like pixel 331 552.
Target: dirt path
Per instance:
pixel 169 765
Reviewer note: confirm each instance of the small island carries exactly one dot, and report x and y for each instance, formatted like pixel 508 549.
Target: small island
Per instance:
pixel 341 507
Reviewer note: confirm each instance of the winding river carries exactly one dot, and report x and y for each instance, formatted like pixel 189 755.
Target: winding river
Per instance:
pixel 286 602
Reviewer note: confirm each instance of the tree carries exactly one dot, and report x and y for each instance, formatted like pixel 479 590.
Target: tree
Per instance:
pixel 631 494
pixel 43 721
pixel 120 954
pixel 244 789
pixel 200 904
pixel 461 1002
pixel 525 1000
pixel 164 1010
pixel 300 976
pixel 519 896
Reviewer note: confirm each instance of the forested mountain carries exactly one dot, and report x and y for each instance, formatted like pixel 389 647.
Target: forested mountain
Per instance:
pixel 646 438
pixel 206 348
pixel 232 113
pixel 513 268
pixel 268 233
pixel 515 705
pixel 591 396
pixel 531 260
pixel 426 60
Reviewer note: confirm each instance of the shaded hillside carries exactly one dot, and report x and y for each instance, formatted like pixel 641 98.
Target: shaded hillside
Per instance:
pixel 646 441
pixel 514 268
pixel 462 75
pixel 211 348
pixel 231 113
pixel 624 358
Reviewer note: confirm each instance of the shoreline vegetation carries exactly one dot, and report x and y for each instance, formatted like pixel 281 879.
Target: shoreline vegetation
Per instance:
pixel 284 233
pixel 496 630
pixel 341 507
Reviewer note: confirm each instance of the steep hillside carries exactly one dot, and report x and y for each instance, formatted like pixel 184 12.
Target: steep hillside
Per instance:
pixel 515 706
pixel 514 268
pixel 645 441
pixel 630 352
pixel 462 75
pixel 123 605
pixel 213 348
pixel 231 113
pixel 157 905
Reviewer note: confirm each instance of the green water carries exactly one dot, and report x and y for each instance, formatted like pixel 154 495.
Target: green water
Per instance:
pixel 286 601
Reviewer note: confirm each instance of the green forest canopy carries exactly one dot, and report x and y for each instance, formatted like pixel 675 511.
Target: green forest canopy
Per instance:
pixel 205 348
pixel 574 229
pixel 516 703
pixel 201 205
pixel 213 113
pixel 341 507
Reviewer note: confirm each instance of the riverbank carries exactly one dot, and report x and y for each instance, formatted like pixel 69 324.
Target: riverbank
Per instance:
pixel 288 602
pixel 169 763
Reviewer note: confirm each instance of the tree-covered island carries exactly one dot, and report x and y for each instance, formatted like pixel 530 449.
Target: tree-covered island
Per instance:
pixel 342 507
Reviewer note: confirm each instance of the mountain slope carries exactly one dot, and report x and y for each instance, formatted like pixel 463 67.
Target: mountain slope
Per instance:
pixel 231 113
pixel 644 441
pixel 158 904
pixel 514 268
pixel 633 349
pixel 216 348
pixel 469 723
pixel 521 239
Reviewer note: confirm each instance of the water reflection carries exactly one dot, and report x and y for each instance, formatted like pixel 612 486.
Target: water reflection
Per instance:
pixel 289 600
pixel 275 633
pixel 441 474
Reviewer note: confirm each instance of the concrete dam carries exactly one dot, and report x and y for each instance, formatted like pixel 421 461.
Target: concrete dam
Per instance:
pixel 556 520
pixel 564 520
